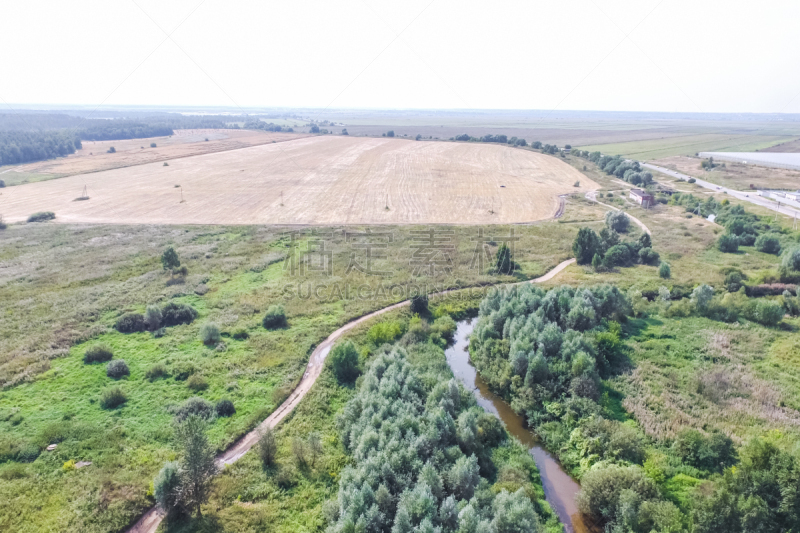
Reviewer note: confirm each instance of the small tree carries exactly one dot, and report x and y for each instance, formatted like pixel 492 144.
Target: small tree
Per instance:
pixel 275 317
pixel 419 304
pixel 167 487
pixel 209 333
pixel 314 446
pixel 153 145
pixel 344 360
pixel 617 221
pixel 299 450
pixel 390 133
pixel 585 245
pixel 267 447
pixel 152 317
pixel 728 243
pixel 111 150
pixel 664 270
pixel 3 225
pixel 791 259
pixel 170 260
pixel 597 262
pixel 768 244
pixel 117 369
pixel 197 466
pixel 701 296
pixel 504 260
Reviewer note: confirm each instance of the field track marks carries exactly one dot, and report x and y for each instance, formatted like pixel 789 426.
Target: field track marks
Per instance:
pixel 150 521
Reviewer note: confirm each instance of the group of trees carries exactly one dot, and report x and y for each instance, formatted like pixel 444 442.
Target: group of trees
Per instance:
pixel 25 146
pixel 258 124
pixel 489 138
pixel 607 250
pixel 619 167
pixel 421 456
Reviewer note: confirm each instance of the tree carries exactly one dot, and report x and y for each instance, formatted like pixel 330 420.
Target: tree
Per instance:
pixel 197 465
pixel 701 296
pixel 167 487
pixel 344 360
pixel 597 262
pixel 267 446
pixel 617 221
pixel 768 244
pixel 152 317
pixel 153 145
pixel 390 133
pixel 275 317
pixel 503 260
pixel 728 243
pixel 314 446
pixel 418 137
pixel 791 259
pixel 585 245
pixel 664 271
pixel 419 304
pixel 170 260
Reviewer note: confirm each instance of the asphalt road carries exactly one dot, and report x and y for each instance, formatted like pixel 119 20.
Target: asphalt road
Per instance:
pixel 751 197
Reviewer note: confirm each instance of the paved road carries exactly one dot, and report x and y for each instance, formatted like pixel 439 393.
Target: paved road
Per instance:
pixel 751 197
pixel 592 195
pixel 150 521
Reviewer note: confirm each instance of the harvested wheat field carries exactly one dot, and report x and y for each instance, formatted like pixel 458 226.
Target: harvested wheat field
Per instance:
pixel 94 156
pixel 315 180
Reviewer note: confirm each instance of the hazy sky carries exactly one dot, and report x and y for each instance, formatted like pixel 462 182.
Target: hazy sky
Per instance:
pixel 638 55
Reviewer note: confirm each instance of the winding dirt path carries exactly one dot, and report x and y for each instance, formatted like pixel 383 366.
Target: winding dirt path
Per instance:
pixel 149 522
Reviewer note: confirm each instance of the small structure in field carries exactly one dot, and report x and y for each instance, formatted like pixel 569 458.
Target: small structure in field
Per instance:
pixel 643 198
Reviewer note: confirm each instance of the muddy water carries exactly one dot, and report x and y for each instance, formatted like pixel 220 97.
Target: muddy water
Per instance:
pixel 559 488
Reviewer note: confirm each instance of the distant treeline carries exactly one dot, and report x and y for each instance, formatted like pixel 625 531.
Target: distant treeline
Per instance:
pixel 28 137
pixel 269 126
pixel 26 146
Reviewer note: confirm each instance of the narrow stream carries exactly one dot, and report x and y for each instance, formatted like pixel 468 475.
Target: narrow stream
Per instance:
pixel 559 488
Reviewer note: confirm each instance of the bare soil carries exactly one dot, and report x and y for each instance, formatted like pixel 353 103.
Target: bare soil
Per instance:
pixel 315 180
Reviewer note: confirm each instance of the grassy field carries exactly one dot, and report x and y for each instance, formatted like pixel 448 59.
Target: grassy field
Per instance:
pixel 67 285
pixel 316 180
pixel 688 145
pixel 734 175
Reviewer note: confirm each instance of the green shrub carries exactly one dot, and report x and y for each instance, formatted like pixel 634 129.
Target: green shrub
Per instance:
pixel 728 243
pixel 767 312
pixel 174 314
pixel 585 246
pixel 385 332
pixel 130 323
pixel 112 398
pixel 344 361
pixel 98 353
pixel 733 281
pixel 225 408
pixel 117 369
pixel 196 382
pixel 768 244
pixel 791 259
pixel 617 221
pixel 602 488
pixel 166 486
pixel 240 334
pixel 183 369
pixel 275 317
pixel 419 303
pixel 156 371
pixel 194 406
pixel 648 256
pixel 691 180
pixel 618 255
pixel 152 317
pixel 13 471
pixel 28 453
pixel 712 453
pixel 209 333
pixel 153 145
pixel 664 271
pixel 42 216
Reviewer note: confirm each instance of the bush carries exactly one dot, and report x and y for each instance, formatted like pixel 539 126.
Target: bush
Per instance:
pixel 728 243
pixel 691 180
pixel 166 486
pixel 130 323
pixel 617 221
pixel 170 260
pixel 733 281
pixel 601 490
pixel 384 332
pixel 225 408
pixel 152 317
pixel 344 361
pixel 648 256
pixel 664 271
pixel 618 255
pixel 28 453
pixel 194 406
pixel 240 334
pixel 768 244
pixel 196 382
pixel 267 447
pixel 585 246
pixel 111 150
pixel 156 371
pixel 275 317
pixel 767 312
pixel 42 216
pixel 174 314
pixel 3 225
pixel 153 145
pixel 712 453
pixel 112 398
pixel 419 304
pixel 98 353
pixel 117 369
pixel 209 333
pixel 791 259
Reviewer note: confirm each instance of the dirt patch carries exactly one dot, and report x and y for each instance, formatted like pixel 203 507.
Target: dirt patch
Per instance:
pixel 316 180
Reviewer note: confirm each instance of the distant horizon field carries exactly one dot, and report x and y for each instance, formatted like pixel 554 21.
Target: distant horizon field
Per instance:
pixel 316 181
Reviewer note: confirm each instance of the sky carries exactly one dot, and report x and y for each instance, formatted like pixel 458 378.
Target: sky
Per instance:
pixel 620 55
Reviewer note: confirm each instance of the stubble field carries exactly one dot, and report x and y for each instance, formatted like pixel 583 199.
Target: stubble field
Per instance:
pixel 315 180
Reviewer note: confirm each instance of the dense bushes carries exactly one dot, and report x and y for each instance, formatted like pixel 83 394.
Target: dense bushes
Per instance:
pixel 617 166
pixel 130 323
pixel 768 243
pixel 617 221
pixel 209 333
pixel 174 314
pixel 418 459
pixel 97 353
pixel 607 251
pixel 275 317
pixel 195 406
pixel 712 453
pixel 112 398
pixel 225 408
pixel 728 244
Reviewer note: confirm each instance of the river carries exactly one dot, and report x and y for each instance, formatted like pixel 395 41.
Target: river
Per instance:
pixel 559 488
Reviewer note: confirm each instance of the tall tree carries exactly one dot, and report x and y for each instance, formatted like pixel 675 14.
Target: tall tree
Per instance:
pixel 197 464
pixel 170 260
